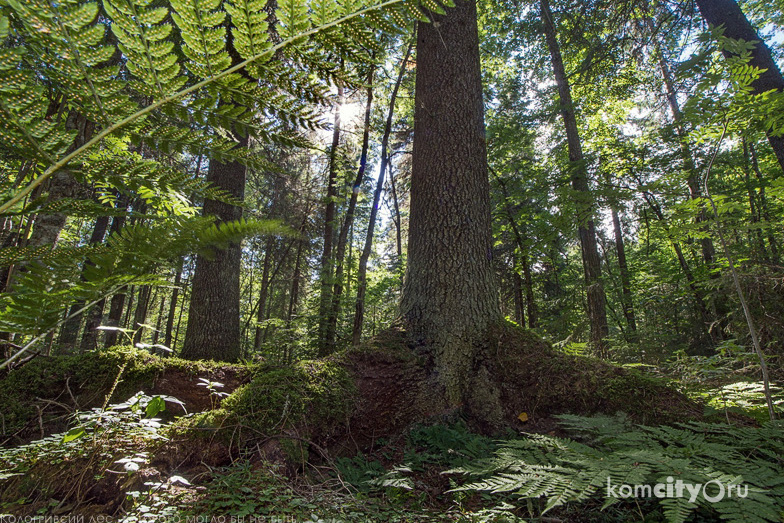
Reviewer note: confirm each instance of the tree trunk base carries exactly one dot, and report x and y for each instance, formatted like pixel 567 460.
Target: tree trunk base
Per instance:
pixel 345 403
pixel 524 384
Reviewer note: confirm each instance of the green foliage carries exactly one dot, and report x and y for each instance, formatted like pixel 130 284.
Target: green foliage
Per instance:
pixel 116 433
pixel 745 397
pixel 115 111
pixel 450 445
pixel 616 453
pixel 360 472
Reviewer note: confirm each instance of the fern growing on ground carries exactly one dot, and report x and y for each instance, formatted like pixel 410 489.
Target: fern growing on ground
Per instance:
pixel 612 453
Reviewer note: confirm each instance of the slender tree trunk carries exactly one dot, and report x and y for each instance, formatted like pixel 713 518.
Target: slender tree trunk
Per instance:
pixel 93 321
pixel 396 218
pixel 262 303
pixel 450 298
pixel 699 297
pixel 140 314
pixel 213 330
pixel 727 13
pixel 523 253
pixel 327 256
pixel 117 302
pixel 519 306
pixel 754 207
pixel 185 299
pixel 128 308
pixel 359 308
pixel 763 199
pixel 337 290
pixel 533 313
pixel 156 334
pixel 585 206
pixel 69 333
pixel 295 279
pixel 628 306
pixel 687 156
pixel 167 339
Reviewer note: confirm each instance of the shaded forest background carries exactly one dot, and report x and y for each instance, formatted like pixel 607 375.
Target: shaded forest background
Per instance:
pixel 665 111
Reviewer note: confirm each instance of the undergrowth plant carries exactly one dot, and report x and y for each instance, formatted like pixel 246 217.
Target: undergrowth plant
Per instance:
pixel 103 442
pixel 611 453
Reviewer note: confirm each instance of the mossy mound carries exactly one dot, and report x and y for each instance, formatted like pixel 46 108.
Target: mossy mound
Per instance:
pixel 345 403
pixel 39 397
pixel 283 411
pixel 539 381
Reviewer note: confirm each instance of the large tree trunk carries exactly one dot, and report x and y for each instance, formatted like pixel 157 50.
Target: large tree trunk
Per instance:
pixel 585 207
pixel 213 330
pixel 450 298
pixel 727 13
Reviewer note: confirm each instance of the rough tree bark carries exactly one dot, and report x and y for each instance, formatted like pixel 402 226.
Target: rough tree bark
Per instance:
pixel 592 268
pixel 449 297
pixel 727 13
pixel 213 330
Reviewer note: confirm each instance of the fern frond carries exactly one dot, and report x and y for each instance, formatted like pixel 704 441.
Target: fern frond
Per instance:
pixel 250 30
pixel 142 33
pixel 204 36
pixel 565 471
pixel 72 44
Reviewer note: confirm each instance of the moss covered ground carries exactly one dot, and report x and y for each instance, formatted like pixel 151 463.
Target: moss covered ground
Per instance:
pixel 317 437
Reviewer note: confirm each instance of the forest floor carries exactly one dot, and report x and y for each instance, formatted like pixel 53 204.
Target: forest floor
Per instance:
pixel 325 441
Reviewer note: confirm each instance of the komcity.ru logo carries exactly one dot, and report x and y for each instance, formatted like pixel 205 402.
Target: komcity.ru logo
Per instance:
pixel 712 491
